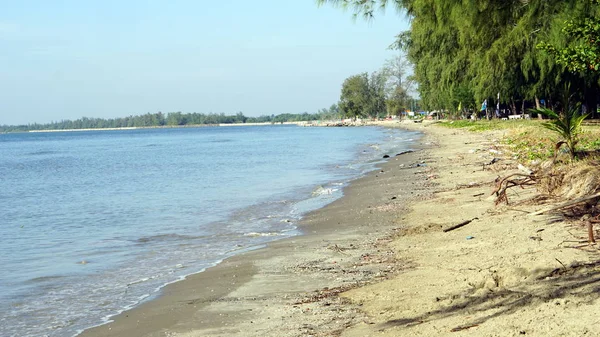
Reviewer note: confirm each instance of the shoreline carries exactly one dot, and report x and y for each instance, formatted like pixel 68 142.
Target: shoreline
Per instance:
pixel 161 127
pixel 377 262
pixel 240 267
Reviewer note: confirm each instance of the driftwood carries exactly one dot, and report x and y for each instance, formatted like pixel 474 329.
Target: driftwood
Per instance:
pixel 463 327
pixel 566 204
pixel 464 223
pixel 404 152
pixel 590 226
pixel 502 185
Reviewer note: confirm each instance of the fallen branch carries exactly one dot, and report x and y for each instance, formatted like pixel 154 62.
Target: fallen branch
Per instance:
pixel 464 223
pixel 505 183
pixel 566 204
pixel 590 226
pixel 404 152
pixel 464 327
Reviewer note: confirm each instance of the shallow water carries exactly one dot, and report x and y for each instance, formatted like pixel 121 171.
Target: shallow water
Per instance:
pixel 95 222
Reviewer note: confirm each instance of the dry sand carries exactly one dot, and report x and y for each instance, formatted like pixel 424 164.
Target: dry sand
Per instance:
pixel 377 263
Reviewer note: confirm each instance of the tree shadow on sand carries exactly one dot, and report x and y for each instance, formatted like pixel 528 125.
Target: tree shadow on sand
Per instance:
pixel 580 281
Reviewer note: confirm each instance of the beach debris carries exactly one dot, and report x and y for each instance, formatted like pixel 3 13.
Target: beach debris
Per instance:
pixel 566 204
pixel 463 327
pixel 327 293
pixel 386 156
pixel 470 237
pixel 502 185
pixel 525 170
pixel 478 194
pixel 404 152
pixel 338 249
pixel 492 162
pixel 590 226
pixel 464 223
pixel 471 185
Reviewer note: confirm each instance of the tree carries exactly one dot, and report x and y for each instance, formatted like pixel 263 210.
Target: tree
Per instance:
pixel 399 85
pixel 583 54
pixel 397 102
pixel 397 70
pixel 484 47
pixel 363 95
pixel 377 87
pixel 240 118
pixel 354 99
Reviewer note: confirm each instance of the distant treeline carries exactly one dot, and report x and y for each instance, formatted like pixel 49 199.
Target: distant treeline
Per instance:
pixel 170 119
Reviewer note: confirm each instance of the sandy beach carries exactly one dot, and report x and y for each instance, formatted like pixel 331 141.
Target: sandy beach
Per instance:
pixel 378 263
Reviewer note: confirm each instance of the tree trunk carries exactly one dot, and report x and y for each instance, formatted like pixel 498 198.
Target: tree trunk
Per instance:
pixel 591 100
pixel 538 106
pixel 514 107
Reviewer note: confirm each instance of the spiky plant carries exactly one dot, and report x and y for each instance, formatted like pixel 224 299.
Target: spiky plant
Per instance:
pixel 567 125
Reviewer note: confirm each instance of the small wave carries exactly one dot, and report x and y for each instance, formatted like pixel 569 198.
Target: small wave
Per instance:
pixel 42 279
pixel 257 234
pixel 323 191
pixel 41 153
pixel 166 237
pixel 142 280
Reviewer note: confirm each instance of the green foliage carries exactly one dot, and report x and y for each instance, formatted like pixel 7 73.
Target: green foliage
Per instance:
pixel 527 144
pixel 590 139
pixel 363 96
pixel 468 51
pixel 485 125
pixel 567 125
pixel 355 97
pixel 397 102
pixel 171 119
pixel 582 54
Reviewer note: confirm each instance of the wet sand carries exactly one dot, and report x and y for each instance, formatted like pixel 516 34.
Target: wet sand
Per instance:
pixel 377 262
pixel 343 247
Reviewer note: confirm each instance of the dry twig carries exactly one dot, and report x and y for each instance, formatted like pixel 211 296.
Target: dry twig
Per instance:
pixel 502 185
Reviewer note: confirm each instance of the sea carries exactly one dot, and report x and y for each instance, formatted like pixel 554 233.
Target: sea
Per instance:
pixel 93 223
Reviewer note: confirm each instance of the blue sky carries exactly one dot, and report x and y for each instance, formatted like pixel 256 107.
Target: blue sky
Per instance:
pixel 71 58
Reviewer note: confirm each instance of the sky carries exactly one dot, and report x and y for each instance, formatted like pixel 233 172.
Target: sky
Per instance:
pixel 66 59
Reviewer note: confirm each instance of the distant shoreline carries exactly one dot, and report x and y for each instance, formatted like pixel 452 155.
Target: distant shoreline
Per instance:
pixel 160 127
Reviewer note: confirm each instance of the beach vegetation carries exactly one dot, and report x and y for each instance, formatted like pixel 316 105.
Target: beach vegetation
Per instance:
pixel 172 119
pixel 514 55
pixel 363 96
pixel 387 92
pixel 487 125
pixel 567 124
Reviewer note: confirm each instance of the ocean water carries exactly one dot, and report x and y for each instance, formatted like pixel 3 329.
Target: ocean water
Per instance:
pixel 95 222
